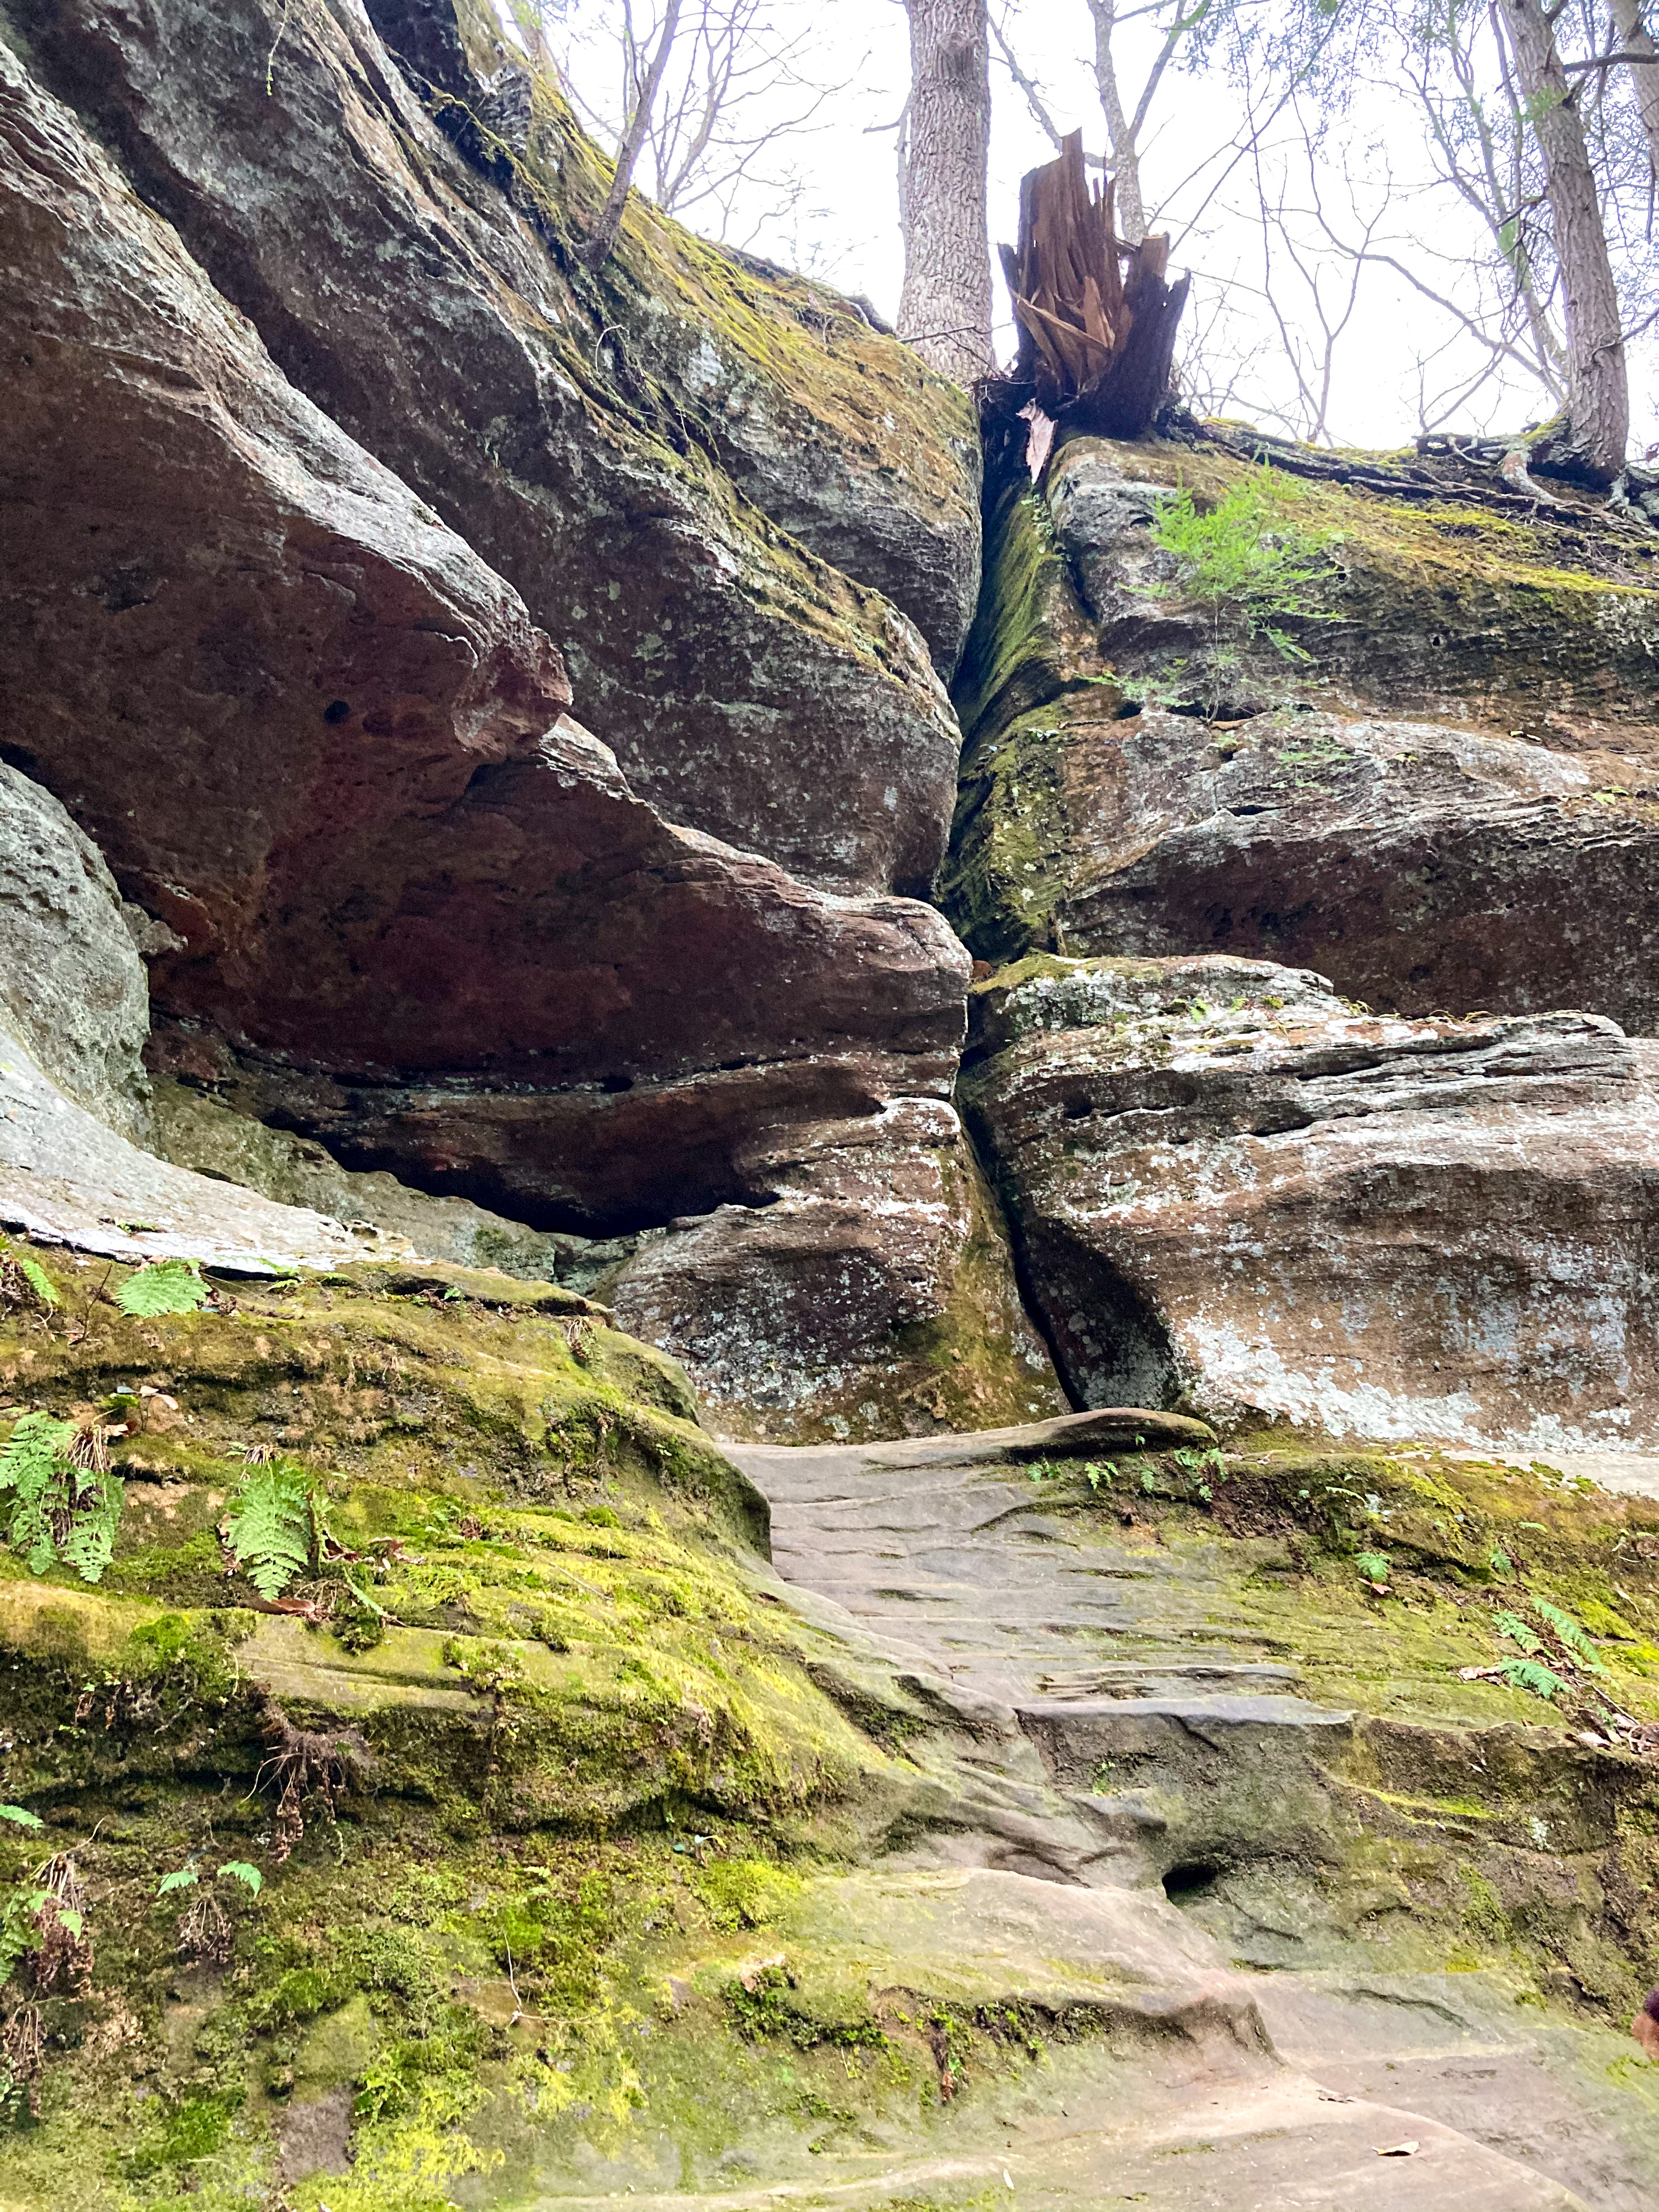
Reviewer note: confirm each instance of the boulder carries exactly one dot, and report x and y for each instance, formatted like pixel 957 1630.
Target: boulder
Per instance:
pixel 576 428
pixel 321 741
pixel 72 987
pixel 1228 1187
pixel 865 1292
pixel 1424 758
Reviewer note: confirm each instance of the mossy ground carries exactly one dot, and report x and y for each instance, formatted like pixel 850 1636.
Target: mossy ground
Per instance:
pixel 1471 1820
pixel 574 1914
pixel 568 1720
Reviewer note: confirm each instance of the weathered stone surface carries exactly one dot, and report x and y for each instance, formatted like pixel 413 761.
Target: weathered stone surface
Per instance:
pixel 193 1129
pixel 865 1291
pixel 309 729
pixel 1451 799
pixel 71 984
pixel 68 1178
pixel 748 688
pixel 1223 1186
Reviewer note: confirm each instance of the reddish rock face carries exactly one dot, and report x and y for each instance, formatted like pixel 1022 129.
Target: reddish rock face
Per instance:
pixel 312 732
pixel 1225 1184
pixel 565 424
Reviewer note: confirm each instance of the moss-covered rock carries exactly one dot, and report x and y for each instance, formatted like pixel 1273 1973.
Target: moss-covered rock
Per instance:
pixel 1373 715
pixel 635 450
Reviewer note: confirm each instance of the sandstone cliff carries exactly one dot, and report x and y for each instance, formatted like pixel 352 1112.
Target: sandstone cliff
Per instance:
pixel 815 1385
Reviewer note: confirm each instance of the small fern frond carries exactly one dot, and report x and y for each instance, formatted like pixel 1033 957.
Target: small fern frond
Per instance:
pixel 1575 1638
pixel 29 1271
pixel 33 1451
pixel 89 1544
pixel 165 1287
pixel 1518 1633
pixel 1531 1675
pixel 270 1526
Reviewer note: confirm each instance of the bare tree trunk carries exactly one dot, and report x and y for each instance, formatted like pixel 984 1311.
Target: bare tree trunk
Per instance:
pixel 1632 38
pixel 944 311
pixel 1598 382
pixel 611 215
pixel 1125 164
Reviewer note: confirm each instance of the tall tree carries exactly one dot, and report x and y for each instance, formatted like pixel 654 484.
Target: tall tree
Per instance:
pixel 1640 56
pixel 645 81
pixel 945 310
pixel 1536 138
pixel 1598 382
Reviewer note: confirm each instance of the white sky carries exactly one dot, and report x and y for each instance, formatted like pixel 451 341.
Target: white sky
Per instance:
pixel 845 227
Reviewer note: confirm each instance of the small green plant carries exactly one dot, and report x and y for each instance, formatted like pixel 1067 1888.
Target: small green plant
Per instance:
pixel 1576 1639
pixel 1373 1566
pixel 165 1287
pixel 186 1877
pixel 1532 1674
pixel 21 1816
pixel 272 1527
pixel 22 1276
pixel 1245 558
pixel 65 1501
pixel 1517 1630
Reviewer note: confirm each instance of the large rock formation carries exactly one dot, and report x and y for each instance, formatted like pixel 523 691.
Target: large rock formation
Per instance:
pixel 310 730
pixel 399 902
pixel 1402 728
pixel 1228 1186
pixel 72 988
pixel 870 1295
pixel 573 430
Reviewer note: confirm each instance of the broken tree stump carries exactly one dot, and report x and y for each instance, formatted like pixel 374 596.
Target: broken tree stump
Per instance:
pixel 1097 315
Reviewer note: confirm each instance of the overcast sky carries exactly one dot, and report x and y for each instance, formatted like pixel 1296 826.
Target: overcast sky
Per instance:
pixel 1395 349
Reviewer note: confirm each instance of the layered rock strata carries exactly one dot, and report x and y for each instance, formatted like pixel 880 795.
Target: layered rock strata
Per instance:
pixel 322 742
pixel 573 429
pixel 1228 1187
pixel 1391 721
pixel 395 899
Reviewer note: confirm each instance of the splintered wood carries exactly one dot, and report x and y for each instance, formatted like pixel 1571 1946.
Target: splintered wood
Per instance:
pixel 1096 316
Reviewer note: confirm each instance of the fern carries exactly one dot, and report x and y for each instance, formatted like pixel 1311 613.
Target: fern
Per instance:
pixel 29 1271
pixel 166 1286
pixel 1532 1674
pixel 270 1526
pixel 1518 1633
pixel 89 1544
pixel 1373 1565
pixel 59 1510
pixel 1576 1639
pixel 34 1468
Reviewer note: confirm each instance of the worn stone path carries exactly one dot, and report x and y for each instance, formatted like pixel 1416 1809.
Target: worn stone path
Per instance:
pixel 1065 1653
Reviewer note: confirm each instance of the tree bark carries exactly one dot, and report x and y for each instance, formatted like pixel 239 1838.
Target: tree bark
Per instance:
pixel 1633 38
pixel 944 311
pixel 611 215
pixel 1598 383
pixel 1120 138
